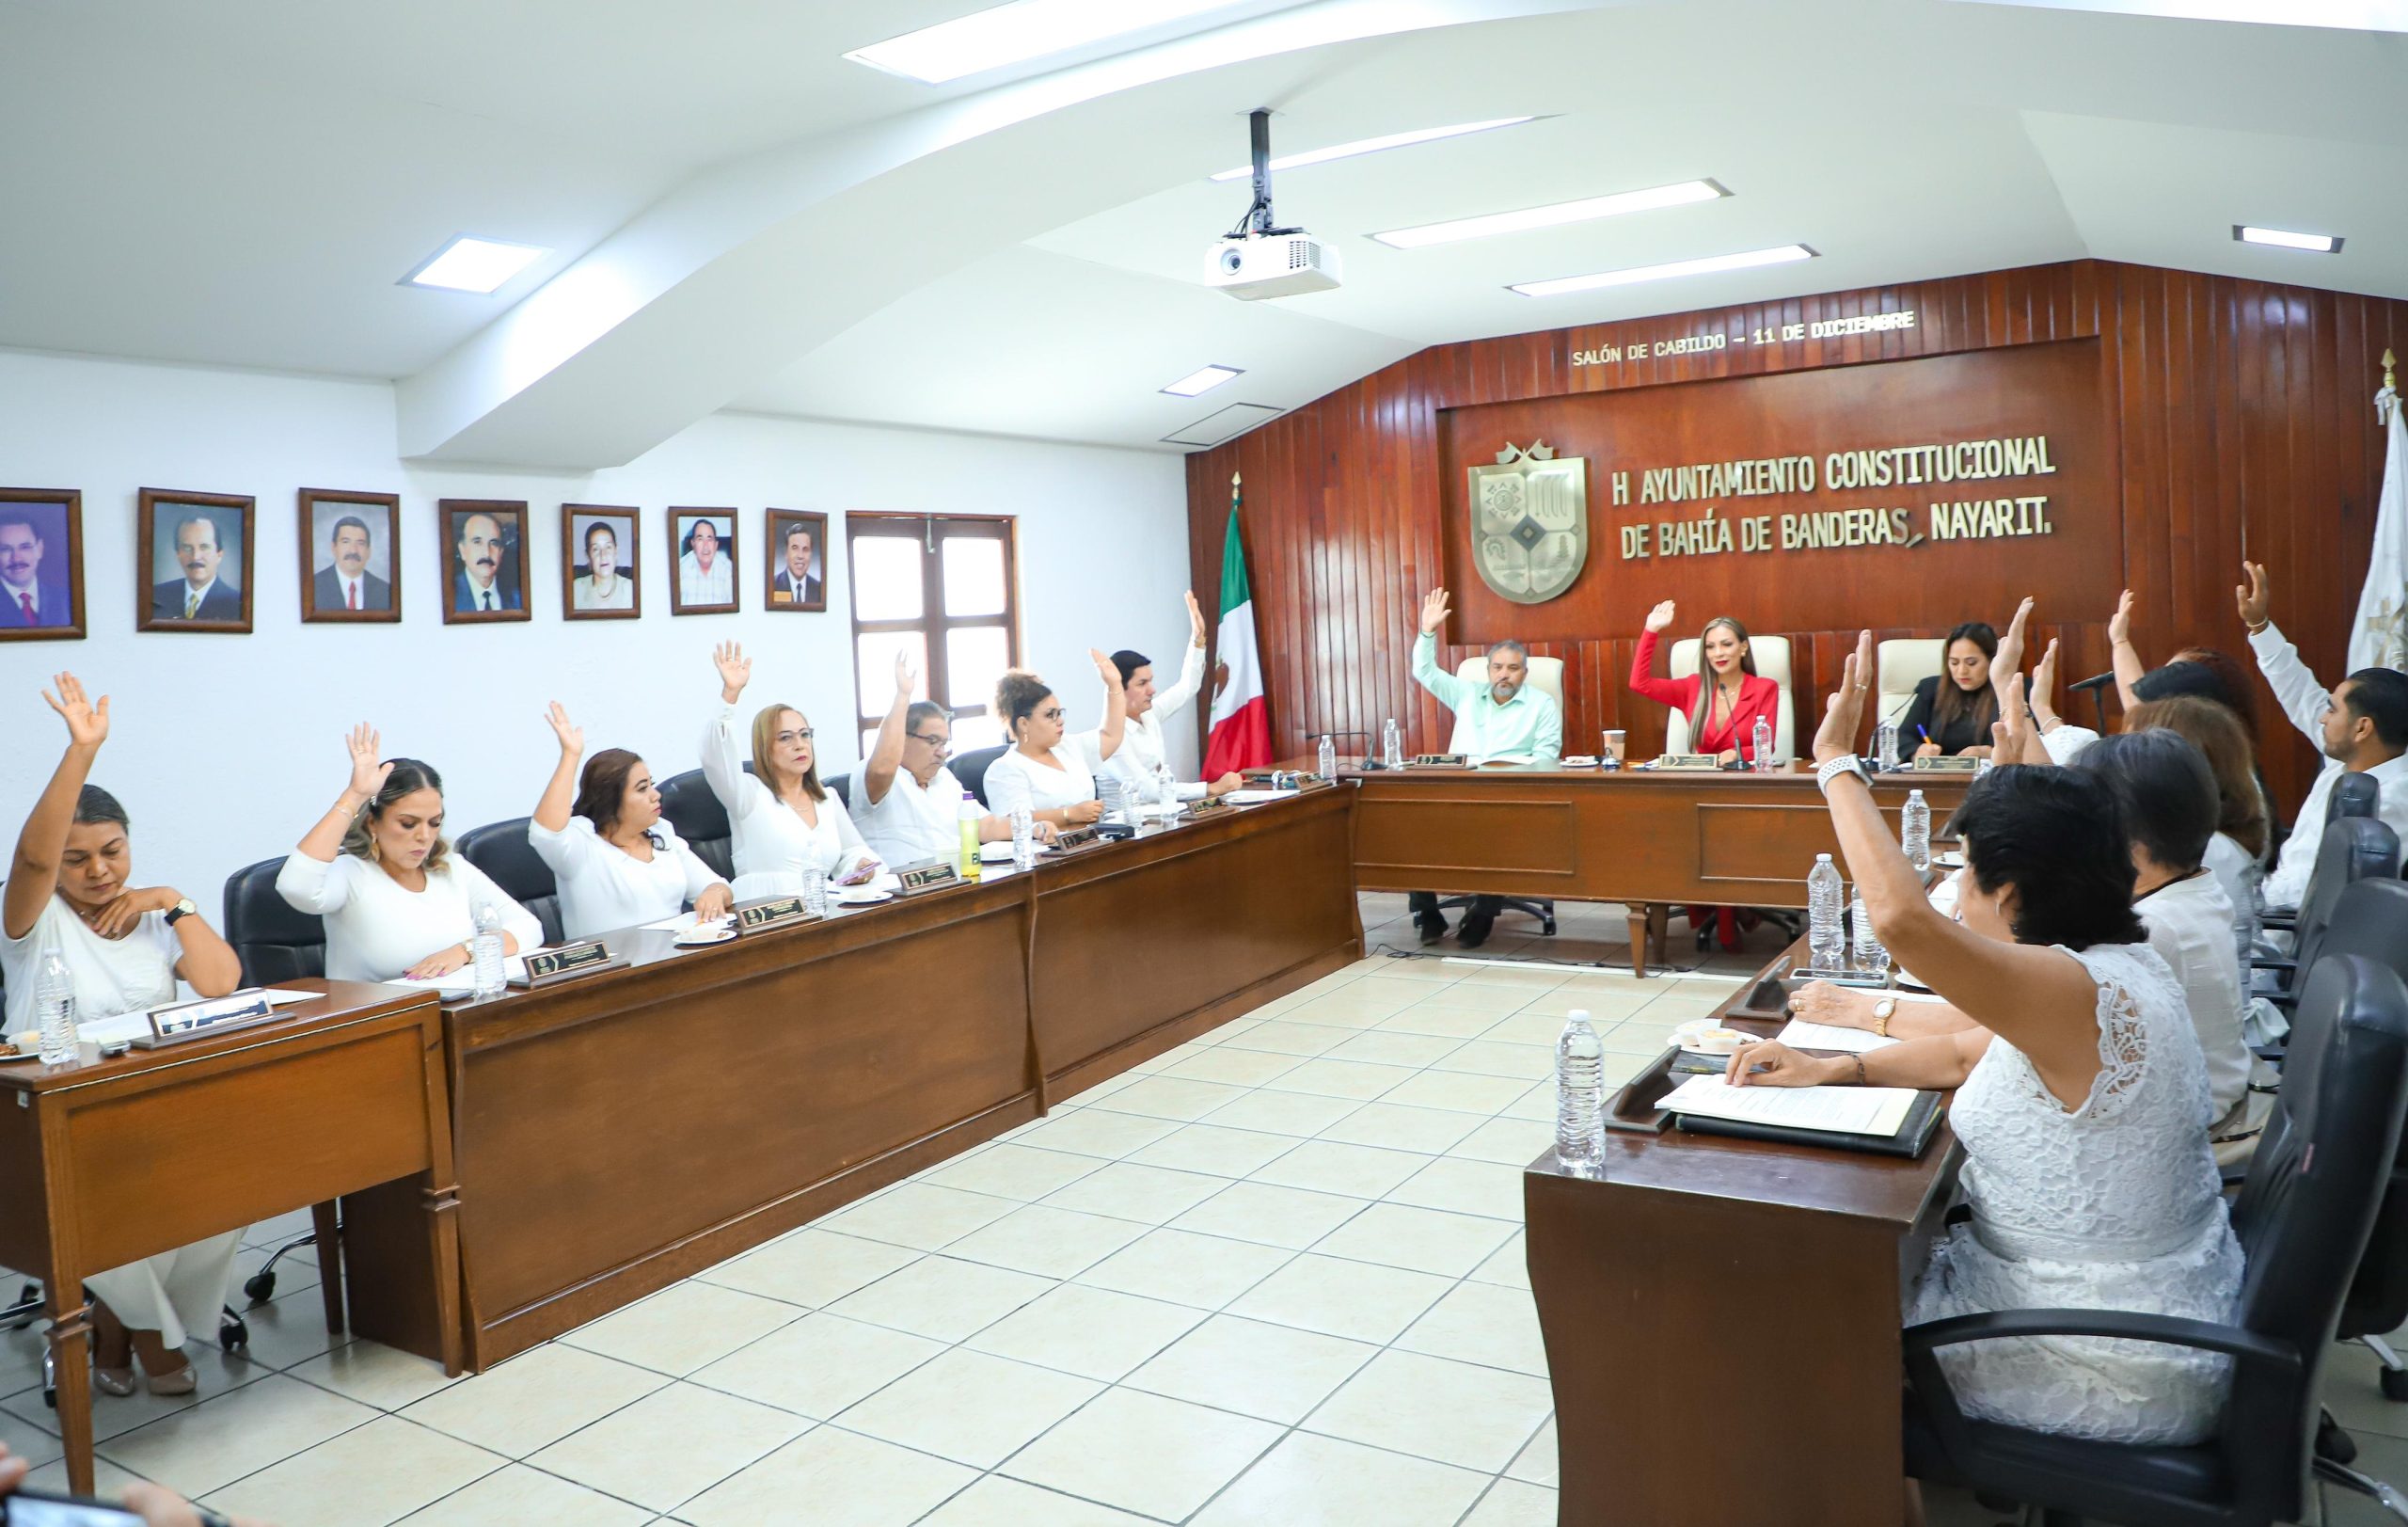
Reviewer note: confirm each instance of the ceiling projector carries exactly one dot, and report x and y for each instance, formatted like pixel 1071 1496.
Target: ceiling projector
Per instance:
pixel 1254 260
pixel 1270 266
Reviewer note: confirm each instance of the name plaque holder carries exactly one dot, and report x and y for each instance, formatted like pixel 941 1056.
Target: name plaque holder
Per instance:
pixel 1440 760
pixel 1207 806
pixel 928 875
pixel 1078 839
pixel 1945 765
pixel 549 967
pixel 770 911
pixel 205 1018
pixel 1690 763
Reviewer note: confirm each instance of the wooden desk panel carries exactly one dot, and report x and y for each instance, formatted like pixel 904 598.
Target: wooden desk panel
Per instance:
pixel 617 1134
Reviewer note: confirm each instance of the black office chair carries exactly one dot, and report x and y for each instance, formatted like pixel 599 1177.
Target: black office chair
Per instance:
pixel 1531 906
pixel 2301 1233
pixel 843 785
pixel 2354 848
pixel 2355 795
pixel 277 942
pixel 971 768
pixel 510 861
pixel 687 800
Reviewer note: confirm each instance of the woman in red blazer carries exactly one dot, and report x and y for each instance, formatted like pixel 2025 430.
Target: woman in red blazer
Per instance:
pixel 1725 700
pixel 1723 704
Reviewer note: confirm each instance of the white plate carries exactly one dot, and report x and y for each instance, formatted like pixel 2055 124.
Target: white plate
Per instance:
pixel 860 895
pixel 1690 1038
pixel 699 938
pixel 9 1055
pixel 1949 861
pixel 1582 761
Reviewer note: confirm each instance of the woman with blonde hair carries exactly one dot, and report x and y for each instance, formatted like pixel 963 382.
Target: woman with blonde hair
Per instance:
pixel 783 819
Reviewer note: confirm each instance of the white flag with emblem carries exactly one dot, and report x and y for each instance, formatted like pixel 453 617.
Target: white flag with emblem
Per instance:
pixel 2379 637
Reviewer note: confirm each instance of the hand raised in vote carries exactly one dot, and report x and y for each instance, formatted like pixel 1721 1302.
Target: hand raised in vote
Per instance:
pixel 572 737
pixel 2256 599
pixel 1844 713
pixel 1820 1002
pixel 714 902
pixel 1194 620
pixel 1223 785
pixel 1105 669
pixel 367 773
pixel 2120 625
pixel 1660 618
pixel 88 724
pixel 734 670
pixel 1434 611
pixel 1083 812
pixel 441 963
pixel 2044 680
pixel 2009 659
pixel 1774 1064
pixel 907 675
pixel 2014 729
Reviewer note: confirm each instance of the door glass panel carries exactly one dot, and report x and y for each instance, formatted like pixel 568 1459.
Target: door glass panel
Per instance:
pixel 981 731
pixel 886 581
pixel 874 653
pixel 973 576
pixel 975 657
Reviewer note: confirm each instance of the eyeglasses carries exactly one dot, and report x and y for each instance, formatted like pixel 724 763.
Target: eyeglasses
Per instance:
pixel 1051 713
pixel 804 735
pixel 942 744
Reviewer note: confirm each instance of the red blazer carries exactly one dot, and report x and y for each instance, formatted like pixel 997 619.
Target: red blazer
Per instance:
pixel 1758 696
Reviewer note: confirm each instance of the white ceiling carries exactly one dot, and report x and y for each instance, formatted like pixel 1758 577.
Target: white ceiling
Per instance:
pixel 742 218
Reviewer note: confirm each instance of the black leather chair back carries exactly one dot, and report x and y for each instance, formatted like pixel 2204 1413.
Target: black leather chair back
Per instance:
pixel 2354 848
pixel 2371 921
pixel 2355 795
pixel 275 941
pixel 501 851
pixel 687 800
pixel 971 768
pixel 843 785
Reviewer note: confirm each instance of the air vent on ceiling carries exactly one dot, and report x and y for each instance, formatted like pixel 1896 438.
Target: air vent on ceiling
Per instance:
pixel 1226 423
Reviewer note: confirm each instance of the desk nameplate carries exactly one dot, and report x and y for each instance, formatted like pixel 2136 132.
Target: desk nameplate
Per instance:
pixel 205 1018
pixel 928 875
pixel 1687 763
pixel 770 911
pixel 1203 806
pixel 1079 839
pixel 549 967
pixel 1949 764
pixel 1439 760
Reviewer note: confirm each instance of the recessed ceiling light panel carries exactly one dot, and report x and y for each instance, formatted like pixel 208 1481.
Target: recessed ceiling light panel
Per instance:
pixel 1362 146
pixel 1011 34
pixel 467 265
pixel 2279 238
pixel 1706 266
pixel 1554 214
pixel 1204 380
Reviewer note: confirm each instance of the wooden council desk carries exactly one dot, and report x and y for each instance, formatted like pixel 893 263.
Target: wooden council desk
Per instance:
pixel 1721 1319
pixel 1651 841
pixel 115 1160
pixel 616 1134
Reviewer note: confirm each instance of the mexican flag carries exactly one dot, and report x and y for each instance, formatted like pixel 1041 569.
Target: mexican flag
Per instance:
pixel 1240 736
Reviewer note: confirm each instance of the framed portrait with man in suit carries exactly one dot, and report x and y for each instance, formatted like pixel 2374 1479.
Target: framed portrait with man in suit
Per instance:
pixel 484 560
pixel 797 561
pixel 194 551
pixel 41 564
pixel 351 557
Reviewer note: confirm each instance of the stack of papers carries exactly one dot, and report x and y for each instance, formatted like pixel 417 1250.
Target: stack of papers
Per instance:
pixel 1802 1035
pixel 514 968
pixel 1256 798
pixel 1848 1110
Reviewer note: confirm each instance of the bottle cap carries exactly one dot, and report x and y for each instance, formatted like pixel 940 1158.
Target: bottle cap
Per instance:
pixel 1578 1015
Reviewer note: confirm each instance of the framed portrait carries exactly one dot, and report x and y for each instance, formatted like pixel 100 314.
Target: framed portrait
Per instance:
pixel 485 559
pixel 598 563
pixel 351 557
pixel 194 556
pixel 797 561
pixel 41 564
pixel 701 562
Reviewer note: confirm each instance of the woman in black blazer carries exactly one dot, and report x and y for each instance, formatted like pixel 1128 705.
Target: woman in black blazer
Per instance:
pixel 1952 711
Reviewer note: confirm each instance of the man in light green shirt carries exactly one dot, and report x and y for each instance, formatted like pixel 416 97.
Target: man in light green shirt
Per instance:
pixel 1501 722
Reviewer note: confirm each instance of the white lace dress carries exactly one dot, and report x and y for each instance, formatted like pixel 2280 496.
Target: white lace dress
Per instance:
pixel 2114 1205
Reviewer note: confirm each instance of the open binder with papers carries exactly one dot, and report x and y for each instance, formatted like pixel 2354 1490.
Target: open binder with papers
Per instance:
pixel 1886 1121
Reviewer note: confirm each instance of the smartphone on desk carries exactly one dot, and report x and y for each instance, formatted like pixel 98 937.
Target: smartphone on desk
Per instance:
pixel 35 1508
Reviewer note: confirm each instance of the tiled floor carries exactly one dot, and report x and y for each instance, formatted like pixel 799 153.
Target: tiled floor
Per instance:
pixel 1273 1277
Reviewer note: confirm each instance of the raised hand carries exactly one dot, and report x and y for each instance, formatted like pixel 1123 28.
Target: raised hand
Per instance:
pixel 1106 669
pixel 2044 678
pixel 88 724
pixel 1194 619
pixel 2120 625
pixel 1844 715
pixel 1660 617
pixel 2010 646
pixel 1434 611
pixel 2254 600
pixel 367 773
pixel 2014 727
pixel 907 676
pixel 734 670
pixel 572 737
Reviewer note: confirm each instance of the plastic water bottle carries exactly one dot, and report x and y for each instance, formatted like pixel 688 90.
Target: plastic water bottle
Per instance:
pixel 971 817
pixel 1392 743
pixel 1114 796
pixel 1982 765
pixel 1325 761
pixel 815 889
pixel 1579 1096
pixel 1871 958
pixel 1024 838
pixel 1915 825
pixel 1885 745
pixel 1763 758
pixel 1825 942
pixel 484 953
pixel 55 1010
pixel 1165 787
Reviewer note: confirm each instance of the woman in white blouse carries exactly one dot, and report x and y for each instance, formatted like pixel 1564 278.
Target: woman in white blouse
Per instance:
pixel 618 864
pixel 71 888
pixel 377 868
pixel 1045 771
pixel 782 817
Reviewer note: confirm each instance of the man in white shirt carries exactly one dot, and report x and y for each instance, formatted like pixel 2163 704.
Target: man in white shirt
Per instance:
pixel 2362 727
pixel 1142 752
pixel 907 803
pixel 1501 722
pixel 704 576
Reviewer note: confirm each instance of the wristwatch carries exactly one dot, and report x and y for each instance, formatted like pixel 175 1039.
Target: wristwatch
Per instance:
pixel 1848 763
pixel 181 910
pixel 1882 1012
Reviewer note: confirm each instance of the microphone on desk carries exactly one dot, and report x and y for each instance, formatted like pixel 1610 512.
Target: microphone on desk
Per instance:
pixel 1370 762
pixel 2098 688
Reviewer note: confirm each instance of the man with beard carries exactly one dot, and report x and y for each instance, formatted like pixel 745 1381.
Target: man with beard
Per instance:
pixel 198 594
pixel 348 585
pixel 477 588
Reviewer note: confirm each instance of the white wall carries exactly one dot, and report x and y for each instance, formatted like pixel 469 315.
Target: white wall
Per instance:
pixel 225 748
